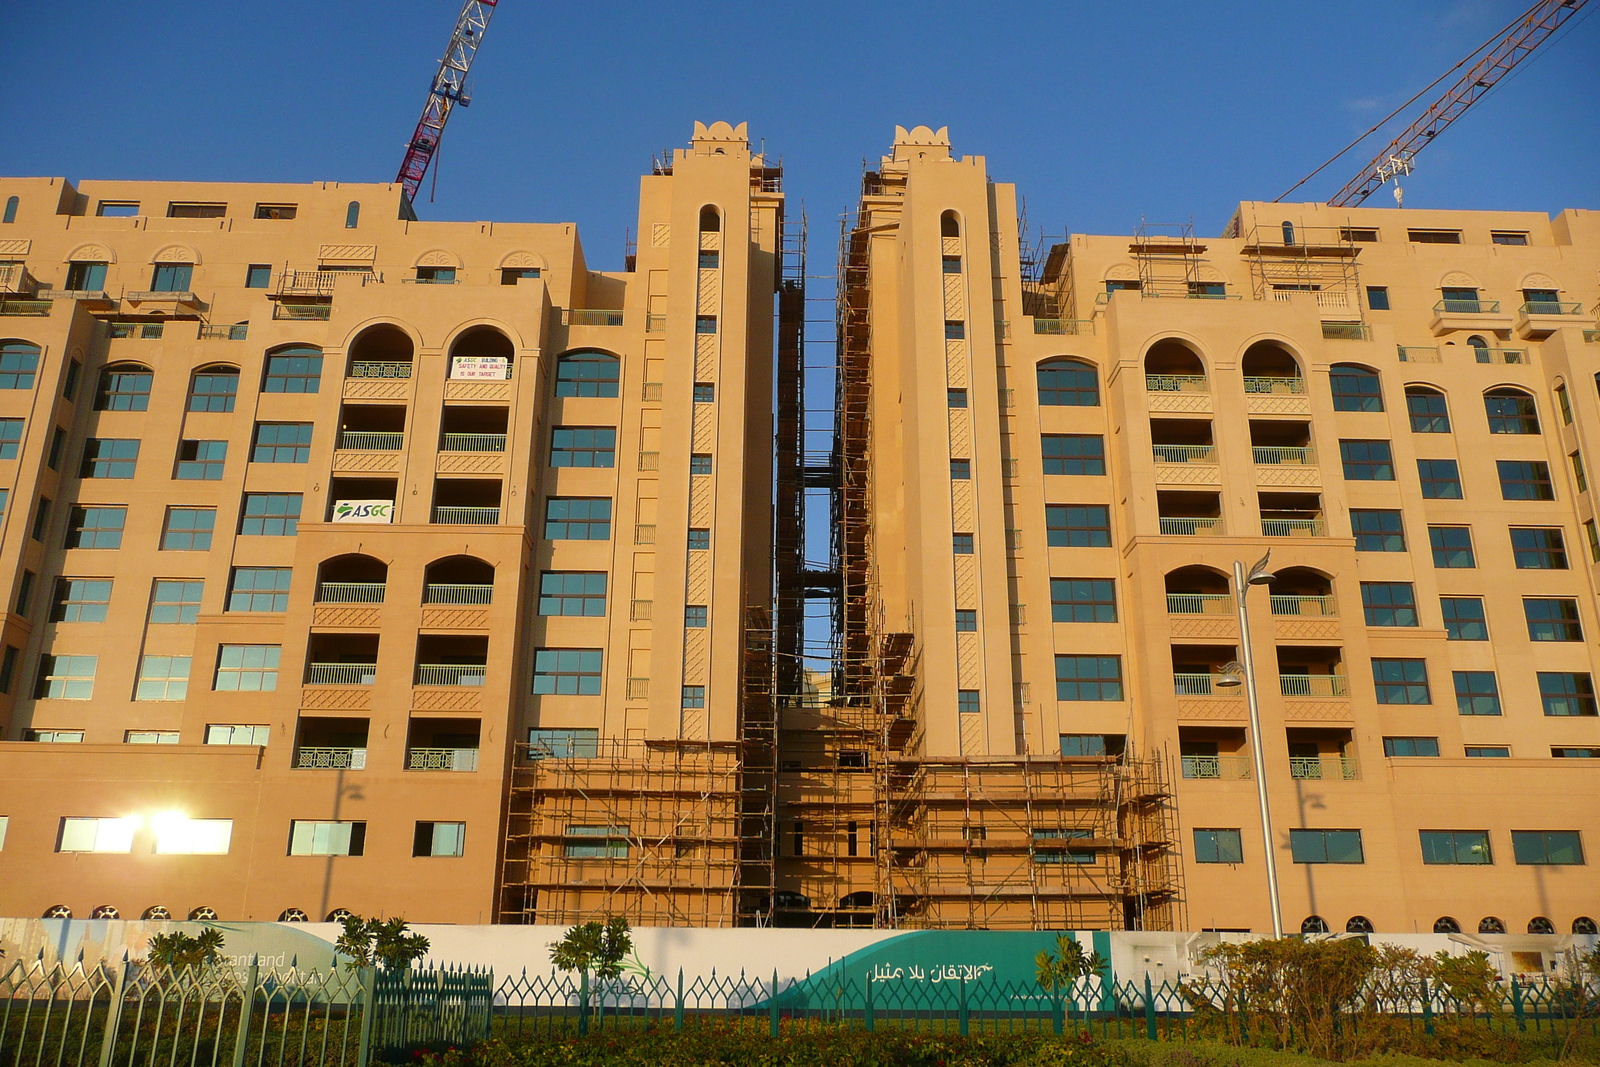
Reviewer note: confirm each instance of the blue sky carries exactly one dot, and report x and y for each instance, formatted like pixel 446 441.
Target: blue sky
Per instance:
pixel 1099 113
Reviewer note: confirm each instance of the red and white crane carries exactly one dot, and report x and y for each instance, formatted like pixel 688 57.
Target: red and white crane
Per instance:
pixel 449 88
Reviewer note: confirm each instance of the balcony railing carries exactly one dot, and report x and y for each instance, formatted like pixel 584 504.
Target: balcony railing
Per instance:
pixel 1199 603
pixel 1231 767
pixel 1176 383
pixel 1184 453
pixel 30 308
pixel 1063 326
pixel 651 392
pixel 371 441
pixel 331 759
pixel 1205 685
pixel 1283 455
pixel 1293 528
pixel 1418 354
pixel 378 368
pixel 1336 767
pixel 655 324
pixel 1295 604
pixel 593 317
pixel 236 332
pixel 466 516
pixel 452 593
pixel 1499 355
pixel 1467 307
pixel 1186 526
pixel 442 759
pixel 341 673
pixel 472 442
pixel 350 592
pixel 1275 385
pixel 1344 331
pixel 1551 307
pixel 450 674
pixel 1312 685
pixel 302 312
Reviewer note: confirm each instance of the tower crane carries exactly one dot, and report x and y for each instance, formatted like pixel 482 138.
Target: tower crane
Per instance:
pixel 449 88
pixel 1498 58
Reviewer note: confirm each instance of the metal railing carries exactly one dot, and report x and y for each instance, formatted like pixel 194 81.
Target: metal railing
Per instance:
pixel 1063 327
pixel 145 331
pixel 1418 354
pixel 1485 354
pixel 30 308
pixel 1200 604
pixel 450 674
pixel 1283 455
pixel 456 593
pixel 1184 453
pixel 1338 767
pixel 302 312
pixel 1275 385
pixel 1467 307
pixel 651 392
pixel 1293 527
pixel 14 278
pixel 1344 331
pixel 1551 307
pixel 341 673
pixel 466 516
pixel 236 332
pixel 379 368
pixel 1206 685
pixel 371 440
pixel 1186 526
pixel 331 759
pixel 655 324
pixel 442 759
pixel 472 442
pixel 1176 383
pixel 1297 604
pixel 350 592
pixel 1235 768
pixel 593 317
pixel 1313 685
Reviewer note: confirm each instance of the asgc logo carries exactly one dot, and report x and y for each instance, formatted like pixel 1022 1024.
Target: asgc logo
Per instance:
pixel 363 511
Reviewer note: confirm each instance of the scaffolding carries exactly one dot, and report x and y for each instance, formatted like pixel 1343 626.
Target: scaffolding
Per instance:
pixel 1287 257
pixel 1168 258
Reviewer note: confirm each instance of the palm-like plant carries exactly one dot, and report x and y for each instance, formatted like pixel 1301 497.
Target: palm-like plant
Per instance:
pixel 1058 972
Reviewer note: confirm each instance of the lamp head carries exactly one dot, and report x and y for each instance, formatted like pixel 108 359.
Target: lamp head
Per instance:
pixel 1259 575
pixel 1231 675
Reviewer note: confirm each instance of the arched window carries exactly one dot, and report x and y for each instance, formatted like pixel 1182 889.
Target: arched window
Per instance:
pixel 1355 388
pixel 1491 925
pixel 1288 233
pixel 1198 591
pixel 1068 383
pixel 11 210
pixel 949 225
pixel 352 579
pixel 1358 924
pixel 458 580
pixel 1511 411
pixel 1444 924
pixel 1314 924
pixel 1585 925
pixel 588 373
pixel 1540 925
pixel 482 353
pixel 214 388
pixel 19 362
pixel 1480 348
pixel 352 215
pixel 1427 409
pixel 1268 367
pixel 710 219
pixel 1173 367
pixel 124 387
pixel 294 369
pixel 381 351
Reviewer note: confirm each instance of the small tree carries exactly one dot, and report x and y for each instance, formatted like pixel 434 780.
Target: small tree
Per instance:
pixel 386 943
pixel 1059 972
pixel 179 949
pixel 594 947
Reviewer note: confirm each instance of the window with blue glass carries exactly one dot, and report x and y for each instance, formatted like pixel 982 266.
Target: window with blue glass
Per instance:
pixel 1083 600
pixel 1440 478
pixel 1427 409
pixel 1088 677
pixel 1377 530
pixel 1538 548
pixel 1074 453
pixel 1367 461
pixel 1567 693
pixel 1522 479
pixel 1068 383
pixel 124 387
pixel 270 514
pixel 105 457
pixel 282 442
pixel 1463 618
pixel 259 589
pixel 1511 411
pixel 1077 525
pixel 1325 846
pixel 92 526
pixel 1452 547
pixel 576 518
pixel 588 373
pixel 583 446
pixel 1389 603
pixel 293 370
pixel 1410 746
pixel 1552 619
pixel 214 388
pixel 201 460
pixel 19 362
pixel 1355 388
pixel 566 671
pixel 581 593
pixel 1477 692
pixel 172 277
pixel 1401 681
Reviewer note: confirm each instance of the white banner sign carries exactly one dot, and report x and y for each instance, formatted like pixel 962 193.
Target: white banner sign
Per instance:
pixel 480 368
pixel 363 511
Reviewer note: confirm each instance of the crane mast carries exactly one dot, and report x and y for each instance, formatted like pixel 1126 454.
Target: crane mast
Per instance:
pixel 447 90
pixel 1532 29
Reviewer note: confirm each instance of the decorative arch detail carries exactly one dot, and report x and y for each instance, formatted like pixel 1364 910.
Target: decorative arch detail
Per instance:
pixel 1205 273
pixel 438 257
pixel 1537 280
pixel 1121 272
pixel 91 253
pixel 1458 279
pixel 523 260
pixel 176 254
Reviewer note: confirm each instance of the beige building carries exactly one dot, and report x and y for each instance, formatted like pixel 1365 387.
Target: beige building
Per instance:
pixel 465 583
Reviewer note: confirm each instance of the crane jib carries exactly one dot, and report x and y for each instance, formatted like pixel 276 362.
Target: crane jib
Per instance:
pixel 447 89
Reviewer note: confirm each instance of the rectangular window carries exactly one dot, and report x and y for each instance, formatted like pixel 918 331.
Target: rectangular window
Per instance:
pixel 1579 475
pixel 1092 744
pixel 18 365
pixel 1074 453
pixel 1077 525
pixel 177 210
pixel 700 463
pixel 327 838
pixel 54 737
pixel 1538 548
pixel 966 621
pixel 297 370
pixel 1511 412
pixel 1592 532
pixel 1547 847
pixel 952 264
pixel 598 842
pixel 1508 237
pixel 556 743
pixel 694 696
pixel 694 616
pixel 8 667
pixel 580 593
pixel 577 518
pixel 1456 847
pixel 1367 461
pixel 276 211
pixel 247 668
pixel 282 442
pixel 705 324
pixel 956 398
pixel 1088 677
pixel 960 470
pixel 1567 692
pixel 65 678
pixel 968 702
pixel 172 277
pixel 1378 297
pixel 436 275
pixel 1410 746
pixel 1564 403
pixel 1434 237
pixel 10 437
pixel 214 388
pixel 1401 681
pixel 1574 753
pixel 1083 600
pixel 58 445
pixel 1377 530
pixel 566 671
pixel 104 457
pixel 1477 693
pixel 150 737
pixel 1452 547
pixel 583 446
pixel 709 259
pixel 188 529
pixel 259 589
pixel 269 515
pixel 1044 853
pixel 1488 752
pixel 96 527
pixel 1441 479
pixel 258 276
pixel 227 734
pixel 1389 603
pixel 25 593
pixel 699 540
pixel 117 209
pixel 1357 233
pixel 163 678
pixel 81 600
pixel 1355 388
pixel 96 835
pixel 705 393
pixel 201 460
pixel 439 839
pixel 1552 619
pixel 1525 480
pixel 513 275
pixel 1218 846
pixel 961 544
pixel 178 836
pixel 1325 846
pixel 955 330
pixel 41 519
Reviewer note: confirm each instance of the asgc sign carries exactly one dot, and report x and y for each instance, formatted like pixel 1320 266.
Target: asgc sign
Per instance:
pixel 363 511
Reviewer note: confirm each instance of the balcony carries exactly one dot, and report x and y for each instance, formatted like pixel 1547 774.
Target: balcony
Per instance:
pixel 341 673
pixel 1063 327
pixel 1462 314
pixel 1296 527
pixel 456 593
pixel 371 441
pixel 1345 768
pixel 1538 319
pixel 331 759
pixel 1313 685
pixel 450 674
pixel 1283 455
pixel 236 332
pixel 379 368
pixel 442 759
pixel 303 312
pixel 1185 453
pixel 1200 604
pixel 1507 356
pixel 351 592
pixel 1418 353
pixel 1275 385
pixel 1176 383
pixel 1232 768
pixel 1344 331
pixel 25 308
pixel 472 442
pixel 1303 606
pixel 1190 526
pixel 14 278
pixel 463 516
pixel 1206 685
pixel 593 317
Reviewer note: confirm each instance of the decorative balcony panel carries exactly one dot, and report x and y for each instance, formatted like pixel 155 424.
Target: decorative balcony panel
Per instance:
pixel 345 616
pixel 1232 768
pixel 1203 627
pixel 469 463
pixel 458 618
pixel 331 759
pixel 1187 474
pixel 442 759
pixel 446 701
pixel 348 462
pixel 1180 403
pixel 1291 476
pixel 490 391
pixel 355 698
pixel 1213 709
pixel 1332 768
pixel 376 389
